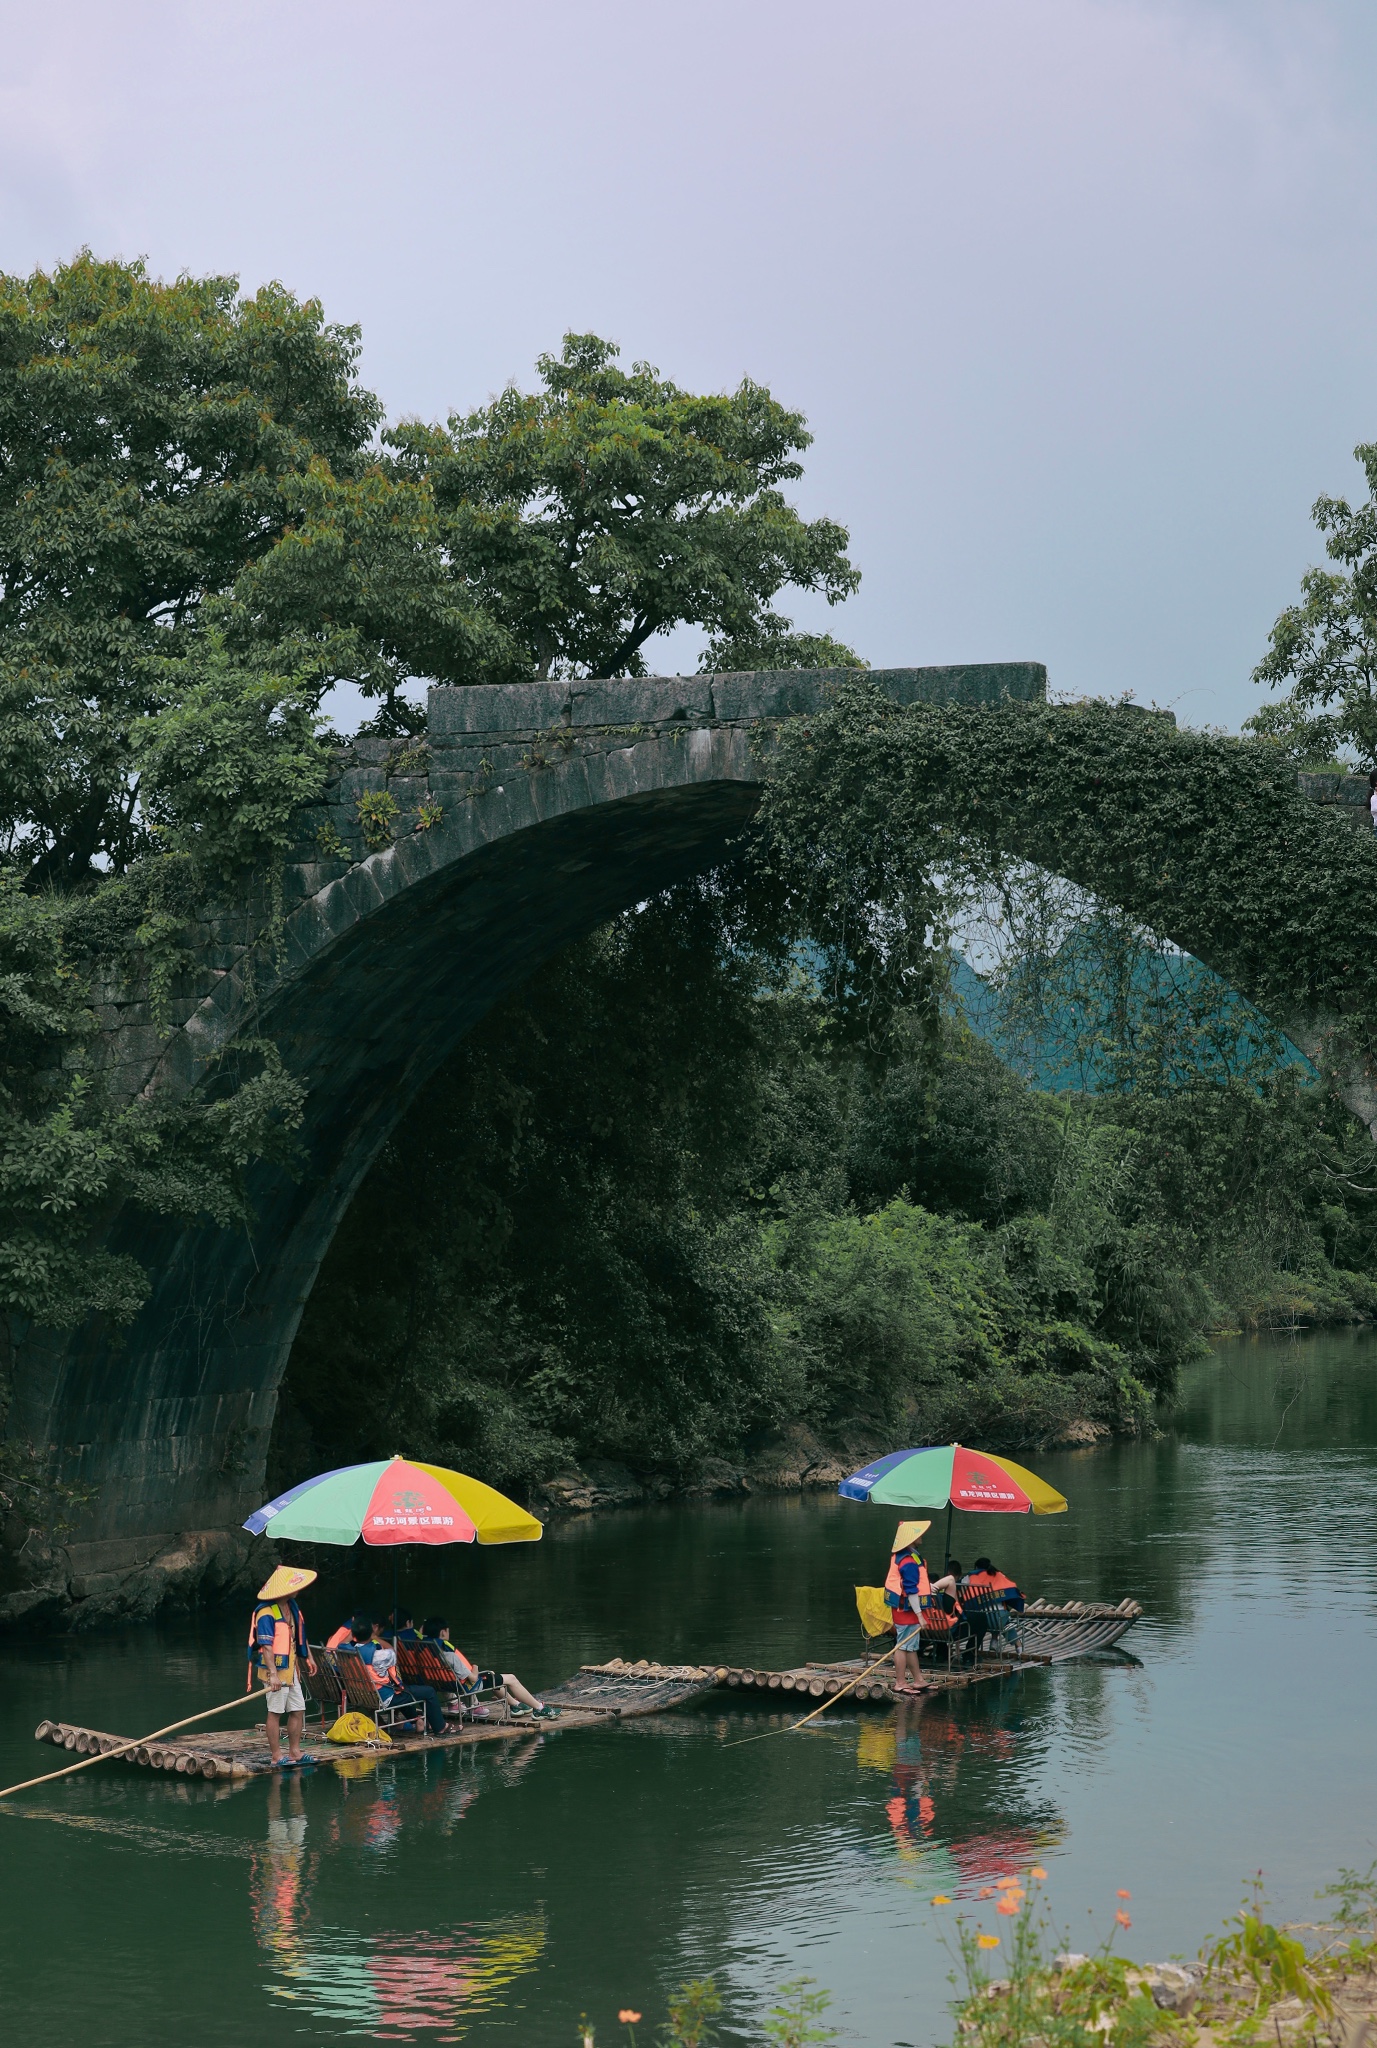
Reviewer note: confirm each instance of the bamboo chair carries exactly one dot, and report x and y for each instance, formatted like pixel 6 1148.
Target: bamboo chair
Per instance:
pixel 324 1689
pixel 418 1661
pixel 935 1635
pixel 363 1697
pixel 988 1610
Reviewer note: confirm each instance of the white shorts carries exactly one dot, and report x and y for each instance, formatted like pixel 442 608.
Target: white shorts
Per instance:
pixel 288 1699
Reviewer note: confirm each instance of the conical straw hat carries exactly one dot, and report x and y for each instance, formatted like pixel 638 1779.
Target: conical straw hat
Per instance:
pixel 288 1578
pixel 908 1532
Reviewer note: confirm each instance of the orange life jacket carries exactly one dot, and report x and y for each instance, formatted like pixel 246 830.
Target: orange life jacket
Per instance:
pixel 936 1620
pixel 275 1661
pixel 990 1582
pixel 894 1583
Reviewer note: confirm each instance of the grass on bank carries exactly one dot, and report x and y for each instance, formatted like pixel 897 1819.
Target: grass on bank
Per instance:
pixel 1256 1982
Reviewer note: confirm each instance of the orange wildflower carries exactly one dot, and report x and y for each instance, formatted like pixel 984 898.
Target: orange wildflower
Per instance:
pixel 1122 1918
pixel 629 2018
pixel 987 1941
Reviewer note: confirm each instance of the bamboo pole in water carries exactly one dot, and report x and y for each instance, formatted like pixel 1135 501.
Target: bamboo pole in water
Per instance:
pixel 136 1742
pixel 840 1693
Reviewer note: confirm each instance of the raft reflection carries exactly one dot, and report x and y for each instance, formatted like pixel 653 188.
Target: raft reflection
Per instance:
pixel 955 1808
pixel 388 1983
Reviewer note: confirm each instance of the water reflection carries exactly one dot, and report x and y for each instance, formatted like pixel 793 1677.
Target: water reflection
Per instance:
pixel 280 1881
pixel 392 1984
pixel 953 1803
pixel 492 1896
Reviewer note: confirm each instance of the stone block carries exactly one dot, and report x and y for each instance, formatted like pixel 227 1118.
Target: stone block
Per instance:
pixel 979 682
pixel 753 695
pixel 504 707
pixel 647 701
pixel 353 783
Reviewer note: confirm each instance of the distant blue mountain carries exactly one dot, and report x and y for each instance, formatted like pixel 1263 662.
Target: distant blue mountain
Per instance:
pixel 1219 1030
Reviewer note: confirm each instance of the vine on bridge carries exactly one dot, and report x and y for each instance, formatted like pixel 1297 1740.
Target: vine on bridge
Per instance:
pixel 877 816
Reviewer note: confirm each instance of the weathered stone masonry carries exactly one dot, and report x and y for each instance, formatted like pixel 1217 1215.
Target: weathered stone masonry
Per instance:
pixel 529 816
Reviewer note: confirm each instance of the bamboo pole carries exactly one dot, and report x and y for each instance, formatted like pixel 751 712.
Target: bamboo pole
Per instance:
pixel 136 1742
pixel 840 1693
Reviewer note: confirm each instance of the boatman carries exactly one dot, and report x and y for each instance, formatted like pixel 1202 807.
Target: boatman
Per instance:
pixel 277 1649
pixel 907 1588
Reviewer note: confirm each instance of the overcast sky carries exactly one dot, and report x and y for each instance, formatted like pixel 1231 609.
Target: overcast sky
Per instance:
pixel 1078 295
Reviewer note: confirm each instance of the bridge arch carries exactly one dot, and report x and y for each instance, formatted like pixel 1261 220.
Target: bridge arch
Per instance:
pixel 559 805
pixel 551 807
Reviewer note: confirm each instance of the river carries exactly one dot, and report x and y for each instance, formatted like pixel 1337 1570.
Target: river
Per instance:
pixel 493 1897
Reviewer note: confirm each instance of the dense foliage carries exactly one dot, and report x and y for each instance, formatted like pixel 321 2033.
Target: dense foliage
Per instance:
pixel 652 1212
pixel 203 526
pixel 1325 647
pixel 611 506
pixel 879 811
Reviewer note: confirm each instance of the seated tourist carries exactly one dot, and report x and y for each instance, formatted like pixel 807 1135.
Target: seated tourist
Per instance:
pixel 984 1575
pixel 436 1638
pixel 998 1598
pixel 351 1633
pixel 381 1658
pixel 404 1629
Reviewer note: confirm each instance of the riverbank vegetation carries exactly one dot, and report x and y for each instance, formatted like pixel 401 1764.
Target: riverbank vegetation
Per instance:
pixel 1254 1982
pixel 656 1211
pixel 1018 1983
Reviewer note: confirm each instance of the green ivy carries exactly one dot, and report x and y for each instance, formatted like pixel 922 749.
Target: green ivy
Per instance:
pixel 877 816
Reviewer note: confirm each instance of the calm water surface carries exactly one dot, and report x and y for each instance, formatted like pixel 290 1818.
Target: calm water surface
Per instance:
pixel 492 1898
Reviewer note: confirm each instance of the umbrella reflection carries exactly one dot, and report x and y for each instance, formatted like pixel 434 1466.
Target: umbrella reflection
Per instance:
pixel 388 1985
pixel 392 1986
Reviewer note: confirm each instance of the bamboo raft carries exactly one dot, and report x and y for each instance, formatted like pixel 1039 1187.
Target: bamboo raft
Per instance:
pixel 242 1753
pixel 620 1690
pixel 1074 1629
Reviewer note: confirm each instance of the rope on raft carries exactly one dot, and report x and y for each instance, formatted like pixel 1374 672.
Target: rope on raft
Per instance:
pixel 840 1693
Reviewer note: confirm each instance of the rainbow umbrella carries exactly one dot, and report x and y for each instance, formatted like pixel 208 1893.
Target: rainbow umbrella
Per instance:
pixel 950 1476
pixel 393 1500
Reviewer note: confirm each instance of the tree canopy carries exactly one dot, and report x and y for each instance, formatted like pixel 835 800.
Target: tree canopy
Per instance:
pixel 151 438
pixel 612 505
pixel 199 507
pixel 1325 647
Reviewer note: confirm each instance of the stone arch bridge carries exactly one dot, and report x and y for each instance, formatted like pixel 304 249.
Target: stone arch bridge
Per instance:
pixel 529 816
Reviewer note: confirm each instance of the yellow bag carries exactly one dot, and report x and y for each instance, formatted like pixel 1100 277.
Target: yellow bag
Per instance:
pixel 354 1727
pixel 877 1619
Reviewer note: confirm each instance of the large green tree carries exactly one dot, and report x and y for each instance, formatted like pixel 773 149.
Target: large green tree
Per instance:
pixel 1323 651
pixel 197 510
pixel 611 505
pixel 149 438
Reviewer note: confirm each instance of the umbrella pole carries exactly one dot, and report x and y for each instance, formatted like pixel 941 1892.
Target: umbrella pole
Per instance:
pixel 946 1561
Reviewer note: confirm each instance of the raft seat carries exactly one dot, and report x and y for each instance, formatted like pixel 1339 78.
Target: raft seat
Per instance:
pixel 361 1696
pixel 323 1691
pixel 987 1609
pixel 419 1662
